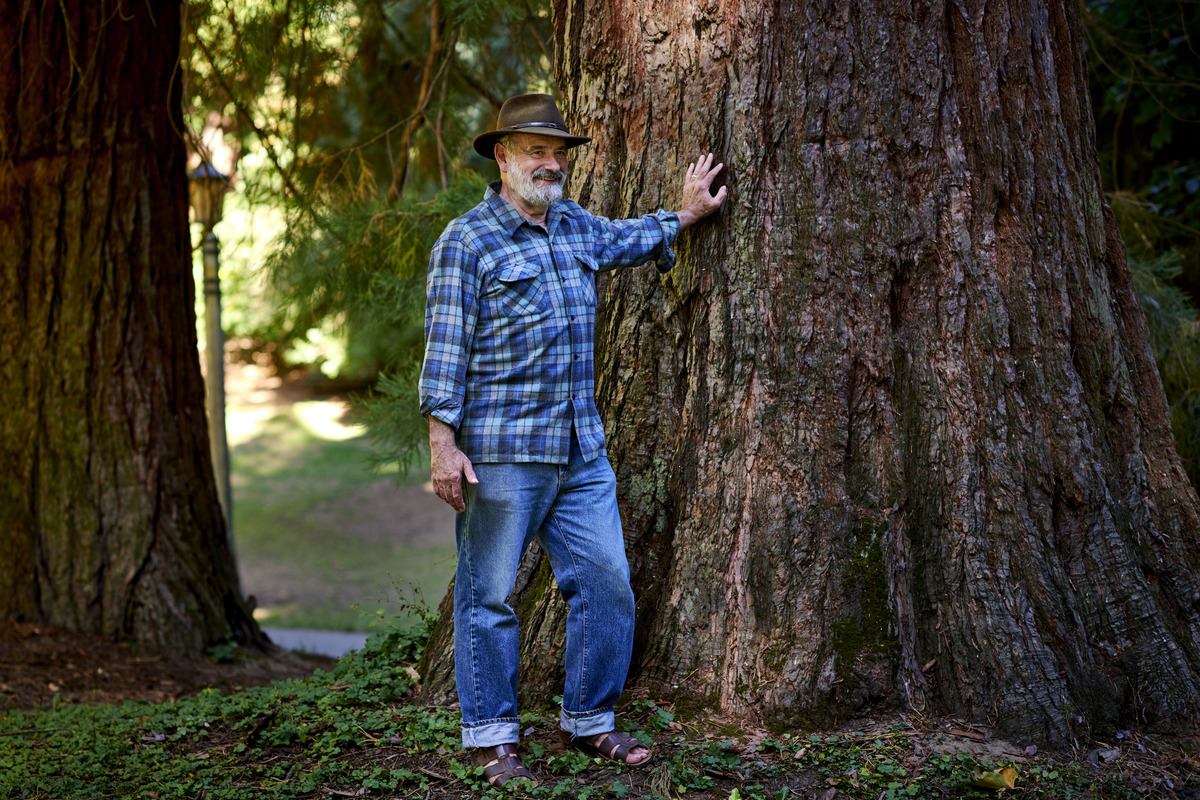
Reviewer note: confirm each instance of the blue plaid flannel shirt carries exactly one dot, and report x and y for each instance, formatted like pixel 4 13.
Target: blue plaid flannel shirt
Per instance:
pixel 510 325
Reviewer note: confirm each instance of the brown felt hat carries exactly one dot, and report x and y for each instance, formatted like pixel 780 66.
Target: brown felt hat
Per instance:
pixel 527 113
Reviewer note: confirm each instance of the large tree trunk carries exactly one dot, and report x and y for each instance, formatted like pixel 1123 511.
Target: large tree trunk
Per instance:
pixel 109 521
pixel 891 428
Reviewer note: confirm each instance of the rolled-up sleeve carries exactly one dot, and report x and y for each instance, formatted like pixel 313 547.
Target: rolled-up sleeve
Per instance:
pixel 451 312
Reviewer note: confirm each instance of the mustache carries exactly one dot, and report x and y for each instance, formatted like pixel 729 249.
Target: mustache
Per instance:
pixel 549 174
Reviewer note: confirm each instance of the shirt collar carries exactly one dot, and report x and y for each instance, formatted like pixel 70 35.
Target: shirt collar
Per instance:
pixel 509 219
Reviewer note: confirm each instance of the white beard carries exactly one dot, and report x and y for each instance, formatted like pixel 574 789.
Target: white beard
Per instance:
pixel 537 193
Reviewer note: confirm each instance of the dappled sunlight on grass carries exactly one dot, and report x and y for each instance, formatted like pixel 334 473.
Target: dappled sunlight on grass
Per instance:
pixel 326 419
pixel 283 448
pixel 324 540
pixel 245 421
pixel 321 419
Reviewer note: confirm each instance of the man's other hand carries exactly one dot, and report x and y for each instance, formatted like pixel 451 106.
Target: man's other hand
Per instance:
pixel 698 199
pixel 448 464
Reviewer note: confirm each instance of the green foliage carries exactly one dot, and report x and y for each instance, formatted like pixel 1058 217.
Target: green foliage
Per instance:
pixel 570 762
pixel 661 719
pixel 324 91
pixel 885 766
pixel 284 740
pixel 1145 73
pixel 356 264
pixel 364 264
pixel 223 652
pixel 349 730
pixel 335 115
pixel 1175 338
pixel 1145 85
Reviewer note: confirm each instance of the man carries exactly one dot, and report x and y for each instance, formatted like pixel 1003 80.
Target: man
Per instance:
pixel 507 387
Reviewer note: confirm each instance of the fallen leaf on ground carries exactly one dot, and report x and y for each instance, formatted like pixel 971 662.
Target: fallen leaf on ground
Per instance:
pixel 1005 778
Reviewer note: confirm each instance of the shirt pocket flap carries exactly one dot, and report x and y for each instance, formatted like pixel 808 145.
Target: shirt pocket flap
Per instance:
pixel 517 288
pixel 587 261
pixel 514 271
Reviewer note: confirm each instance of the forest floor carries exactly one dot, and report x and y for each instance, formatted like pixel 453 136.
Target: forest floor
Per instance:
pixel 890 755
pixel 41 665
pixel 886 756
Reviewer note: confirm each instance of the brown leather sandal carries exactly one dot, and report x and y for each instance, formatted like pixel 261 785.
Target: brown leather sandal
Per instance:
pixel 613 746
pixel 501 765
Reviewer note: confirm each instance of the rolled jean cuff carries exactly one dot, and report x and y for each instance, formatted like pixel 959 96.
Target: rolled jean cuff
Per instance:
pixel 602 720
pixel 492 732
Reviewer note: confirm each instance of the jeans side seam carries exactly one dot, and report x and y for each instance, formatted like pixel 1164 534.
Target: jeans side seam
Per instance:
pixel 583 600
pixel 473 622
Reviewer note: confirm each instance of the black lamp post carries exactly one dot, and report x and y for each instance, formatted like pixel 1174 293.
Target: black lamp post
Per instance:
pixel 206 190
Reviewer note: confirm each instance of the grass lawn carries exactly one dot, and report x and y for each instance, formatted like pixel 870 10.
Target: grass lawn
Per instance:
pixel 323 540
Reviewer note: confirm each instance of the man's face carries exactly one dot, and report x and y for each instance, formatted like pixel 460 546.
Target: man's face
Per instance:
pixel 534 167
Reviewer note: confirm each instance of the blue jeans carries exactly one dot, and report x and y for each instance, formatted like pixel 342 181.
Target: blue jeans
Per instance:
pixel 572 512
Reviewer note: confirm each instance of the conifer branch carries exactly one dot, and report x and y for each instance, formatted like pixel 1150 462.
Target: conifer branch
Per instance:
pixel 477 86
pixel 540 39
pixel 441 144
pixel 248 118
pixel 400 176
pixel 300 66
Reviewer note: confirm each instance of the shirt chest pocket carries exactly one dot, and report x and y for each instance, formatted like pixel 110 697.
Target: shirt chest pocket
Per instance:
pixel 517 290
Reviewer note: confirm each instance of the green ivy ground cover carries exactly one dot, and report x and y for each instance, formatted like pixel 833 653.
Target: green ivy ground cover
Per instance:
pixel 355 732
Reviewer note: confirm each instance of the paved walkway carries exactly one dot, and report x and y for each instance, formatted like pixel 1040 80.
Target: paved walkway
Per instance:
pixel 325 643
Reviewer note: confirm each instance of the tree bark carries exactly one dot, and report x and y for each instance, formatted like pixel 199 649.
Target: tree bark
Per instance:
pixel 891 429
pixel 109 520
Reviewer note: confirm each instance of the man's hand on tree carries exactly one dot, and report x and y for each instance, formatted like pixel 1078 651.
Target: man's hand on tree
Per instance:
pixel 698 200
pixel 448 464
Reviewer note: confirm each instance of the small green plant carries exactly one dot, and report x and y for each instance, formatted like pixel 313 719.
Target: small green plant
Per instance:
pixel 722 756
pixel 222 652
pixel 569 762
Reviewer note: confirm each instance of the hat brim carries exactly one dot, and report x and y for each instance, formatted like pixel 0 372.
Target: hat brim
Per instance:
pixel 485 143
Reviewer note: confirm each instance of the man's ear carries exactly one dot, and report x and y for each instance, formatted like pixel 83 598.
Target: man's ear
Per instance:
pixel 501 154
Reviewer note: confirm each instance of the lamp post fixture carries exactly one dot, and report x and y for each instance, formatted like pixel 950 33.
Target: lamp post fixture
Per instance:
pixel 206 191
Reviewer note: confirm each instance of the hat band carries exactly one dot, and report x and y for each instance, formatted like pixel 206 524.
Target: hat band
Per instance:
pixel 554 125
